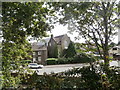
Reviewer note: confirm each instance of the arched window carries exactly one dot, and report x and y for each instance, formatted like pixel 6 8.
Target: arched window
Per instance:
pixel 65 44
pixel 49 44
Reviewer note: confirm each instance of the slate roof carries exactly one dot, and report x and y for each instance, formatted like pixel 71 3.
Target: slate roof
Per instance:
pixel 38 47
pixel 45 41
pixel 42 43
pixel 59 36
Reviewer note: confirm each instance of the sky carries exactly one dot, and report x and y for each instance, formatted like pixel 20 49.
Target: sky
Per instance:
pixel 60 30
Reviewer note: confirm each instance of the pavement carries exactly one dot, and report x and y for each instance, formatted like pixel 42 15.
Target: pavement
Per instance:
pixel 57 68
pixel 64 67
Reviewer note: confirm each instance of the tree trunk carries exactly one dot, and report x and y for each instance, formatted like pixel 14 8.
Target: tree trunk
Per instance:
pixel 106 54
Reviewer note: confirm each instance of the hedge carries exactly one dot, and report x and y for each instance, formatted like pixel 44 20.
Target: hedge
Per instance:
pixel 52 61
pixel 88 78
pixel 81 58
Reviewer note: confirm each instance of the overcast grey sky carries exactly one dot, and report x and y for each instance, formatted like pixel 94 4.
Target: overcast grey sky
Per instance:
pixel 60 30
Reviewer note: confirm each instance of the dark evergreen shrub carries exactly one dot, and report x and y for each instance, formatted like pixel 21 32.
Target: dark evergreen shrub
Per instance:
pixel 70 52
pixel 83 58
pixel 93 77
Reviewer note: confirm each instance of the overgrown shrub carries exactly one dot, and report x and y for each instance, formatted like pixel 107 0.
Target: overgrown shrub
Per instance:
pixel 70 52
pixel 65 60
pixel 91 77
pixel 83 58
pixel 52 61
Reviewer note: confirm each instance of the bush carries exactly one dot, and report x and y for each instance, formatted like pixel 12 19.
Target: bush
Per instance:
pixel 64 60
pixel 51 61
pixel 70 52
pixel 83 58
pixel 86 78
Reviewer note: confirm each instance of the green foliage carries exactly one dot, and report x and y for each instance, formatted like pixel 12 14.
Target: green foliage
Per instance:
pixel 96 22
pixel 86 48
pixel 51 58
pixel 65 60
pixel 24 19
pixel 70 52
pixel 51 61
pixel 20 20
pixel 13 53
pixel 81 58
pixel 112 44
pixel 43 82
pixel 91 77
pixel 84 58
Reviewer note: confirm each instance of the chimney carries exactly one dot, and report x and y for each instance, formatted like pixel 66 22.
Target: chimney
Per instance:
pixel 51 35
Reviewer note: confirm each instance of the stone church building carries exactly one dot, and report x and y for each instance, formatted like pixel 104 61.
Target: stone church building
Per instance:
pixel 46 47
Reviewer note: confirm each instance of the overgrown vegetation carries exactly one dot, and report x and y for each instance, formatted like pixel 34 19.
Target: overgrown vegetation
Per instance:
pixel 92 77
pixel 81 58
pixel 70 51
pixel 94 21
pixel 51 61
pixel 20 20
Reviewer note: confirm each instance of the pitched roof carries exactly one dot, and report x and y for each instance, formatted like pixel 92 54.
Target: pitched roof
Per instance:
pixel 38 47
pixel 59 36
pixel 45 41
pixel 58 39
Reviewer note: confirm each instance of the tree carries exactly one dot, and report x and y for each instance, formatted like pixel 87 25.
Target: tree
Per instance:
pixel 94 21
pixel 86 48
pixel 70 52
pixel 20 20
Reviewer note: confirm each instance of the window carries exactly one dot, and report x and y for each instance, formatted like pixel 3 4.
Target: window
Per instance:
pixel 33 53
pixel 65 44
pixel 49 44
pixel 39 52
pixel 39 58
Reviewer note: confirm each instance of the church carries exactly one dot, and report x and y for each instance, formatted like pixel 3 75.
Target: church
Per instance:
pixel 50 47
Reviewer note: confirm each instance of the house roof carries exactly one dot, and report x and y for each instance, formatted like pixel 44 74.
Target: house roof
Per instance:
pixel 38 47
pixel 58 39
pixel 45 41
